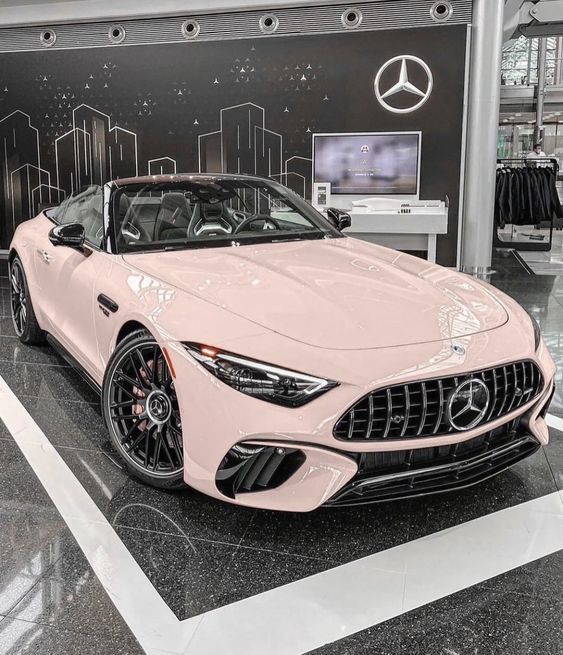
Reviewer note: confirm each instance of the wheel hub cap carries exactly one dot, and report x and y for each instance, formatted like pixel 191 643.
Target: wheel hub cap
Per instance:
pixel 158 407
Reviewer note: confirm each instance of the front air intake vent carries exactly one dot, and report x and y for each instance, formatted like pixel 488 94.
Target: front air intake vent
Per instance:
pixel 416 472
pixel 248 467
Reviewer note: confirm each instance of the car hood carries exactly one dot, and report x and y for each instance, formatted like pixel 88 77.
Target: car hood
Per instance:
pixel 340 294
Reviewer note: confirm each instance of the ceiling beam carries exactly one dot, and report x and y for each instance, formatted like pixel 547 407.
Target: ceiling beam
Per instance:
pixel 533 18
pixel 15 13
pixel 512 18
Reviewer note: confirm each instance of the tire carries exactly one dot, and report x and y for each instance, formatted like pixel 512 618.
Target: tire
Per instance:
pixel 23 317
pixel 141 412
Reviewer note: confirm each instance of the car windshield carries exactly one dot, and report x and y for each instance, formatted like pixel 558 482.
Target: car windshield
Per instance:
pixel 211 212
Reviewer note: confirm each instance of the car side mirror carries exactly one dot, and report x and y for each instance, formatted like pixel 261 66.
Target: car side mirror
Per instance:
pixel 71 235
pixel 338 218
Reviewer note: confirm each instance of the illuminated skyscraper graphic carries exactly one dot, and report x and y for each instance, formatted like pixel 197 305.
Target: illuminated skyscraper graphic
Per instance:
pixel 243 144
pixel 268 152
pixel 298 175
pixel 162 166
pixel 122 153
pixel 24 182
pixel 23 179
pixel 73 160
pixel 96 125
pixel 93 152
pixel 44 195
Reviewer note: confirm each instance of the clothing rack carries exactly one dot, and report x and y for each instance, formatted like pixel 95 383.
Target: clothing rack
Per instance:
pixel 529 160
pixel 536 246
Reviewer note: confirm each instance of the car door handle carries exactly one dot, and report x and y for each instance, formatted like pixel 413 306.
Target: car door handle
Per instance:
pixel 45 256
pixel 108 303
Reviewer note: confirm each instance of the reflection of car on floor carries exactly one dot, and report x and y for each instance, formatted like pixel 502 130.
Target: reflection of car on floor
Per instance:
pixel 243 345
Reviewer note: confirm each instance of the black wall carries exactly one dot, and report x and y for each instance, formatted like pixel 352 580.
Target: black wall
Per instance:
pixel 155 102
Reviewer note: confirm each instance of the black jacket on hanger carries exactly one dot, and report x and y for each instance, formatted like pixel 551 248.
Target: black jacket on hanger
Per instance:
pixel 526 195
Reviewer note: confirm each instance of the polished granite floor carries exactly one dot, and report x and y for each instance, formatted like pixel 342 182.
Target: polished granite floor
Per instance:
pixel 201 554
pixel 540 262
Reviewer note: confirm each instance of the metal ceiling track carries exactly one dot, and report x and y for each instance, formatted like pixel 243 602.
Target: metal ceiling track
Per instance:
pixel 280 21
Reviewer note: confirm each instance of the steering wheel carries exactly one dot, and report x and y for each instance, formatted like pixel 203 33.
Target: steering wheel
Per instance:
pixel 268 220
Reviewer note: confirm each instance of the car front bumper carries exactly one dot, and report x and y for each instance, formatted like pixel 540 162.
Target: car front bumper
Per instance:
pixel 216 418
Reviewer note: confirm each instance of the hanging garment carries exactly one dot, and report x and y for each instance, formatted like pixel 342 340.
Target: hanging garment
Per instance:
pixel 526 195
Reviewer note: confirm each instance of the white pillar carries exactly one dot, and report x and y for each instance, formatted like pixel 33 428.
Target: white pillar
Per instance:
pixel 482 135
pixel 540 102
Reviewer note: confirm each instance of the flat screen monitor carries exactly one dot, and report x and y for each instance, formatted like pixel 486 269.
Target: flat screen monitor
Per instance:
pixel 369 163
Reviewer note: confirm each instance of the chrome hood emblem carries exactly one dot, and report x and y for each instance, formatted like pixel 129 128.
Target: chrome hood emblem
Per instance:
pixel 468 404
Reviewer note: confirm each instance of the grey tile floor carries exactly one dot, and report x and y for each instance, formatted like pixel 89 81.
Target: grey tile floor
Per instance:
pixel 202 554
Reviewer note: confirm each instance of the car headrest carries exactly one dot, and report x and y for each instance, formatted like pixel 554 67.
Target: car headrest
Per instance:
pixel 212 211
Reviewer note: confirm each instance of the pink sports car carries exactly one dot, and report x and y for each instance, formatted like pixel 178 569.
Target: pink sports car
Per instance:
pixel 244 346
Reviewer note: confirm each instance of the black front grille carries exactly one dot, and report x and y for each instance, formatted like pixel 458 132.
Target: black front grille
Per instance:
pixel 406 473
pixel 419 409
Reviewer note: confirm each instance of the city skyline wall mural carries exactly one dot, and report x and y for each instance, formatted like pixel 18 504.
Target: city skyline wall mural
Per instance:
pixel 75 117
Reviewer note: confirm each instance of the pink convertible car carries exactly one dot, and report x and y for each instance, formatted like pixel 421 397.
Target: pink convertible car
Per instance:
pixel 244 346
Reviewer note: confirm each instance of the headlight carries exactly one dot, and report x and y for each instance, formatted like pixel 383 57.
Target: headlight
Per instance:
pixel 537 331
pixel 259 380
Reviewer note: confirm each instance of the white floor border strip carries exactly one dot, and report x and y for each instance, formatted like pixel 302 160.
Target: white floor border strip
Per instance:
pixel 554 422
pixel 305 614
pixel 150 619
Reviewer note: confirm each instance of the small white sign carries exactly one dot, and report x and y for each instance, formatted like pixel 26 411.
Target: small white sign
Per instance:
pixel 321 194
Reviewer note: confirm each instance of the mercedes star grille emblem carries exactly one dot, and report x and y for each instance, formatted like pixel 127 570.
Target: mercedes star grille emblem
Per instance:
pixel 468 404
pixel 404 87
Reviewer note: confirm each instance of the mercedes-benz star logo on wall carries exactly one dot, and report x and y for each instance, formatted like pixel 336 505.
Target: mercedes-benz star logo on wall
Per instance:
pixel 468 404
pixel 404 95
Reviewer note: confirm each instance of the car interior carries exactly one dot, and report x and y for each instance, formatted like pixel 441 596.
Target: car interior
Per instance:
pixel 171 216
pixel 176 215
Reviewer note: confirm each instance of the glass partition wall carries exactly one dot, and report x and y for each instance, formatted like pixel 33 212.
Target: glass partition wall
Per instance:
pixel 517 134
pixel 520 69
pixel 520 61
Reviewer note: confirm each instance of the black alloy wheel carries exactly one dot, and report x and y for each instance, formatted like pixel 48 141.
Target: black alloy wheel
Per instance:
pixel 26 326
pixel 18 298
pixel 141 411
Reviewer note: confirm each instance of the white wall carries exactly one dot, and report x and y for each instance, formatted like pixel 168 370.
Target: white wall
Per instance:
pixel 42 12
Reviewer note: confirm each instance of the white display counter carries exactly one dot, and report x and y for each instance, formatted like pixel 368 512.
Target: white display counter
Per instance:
pixel 400 224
